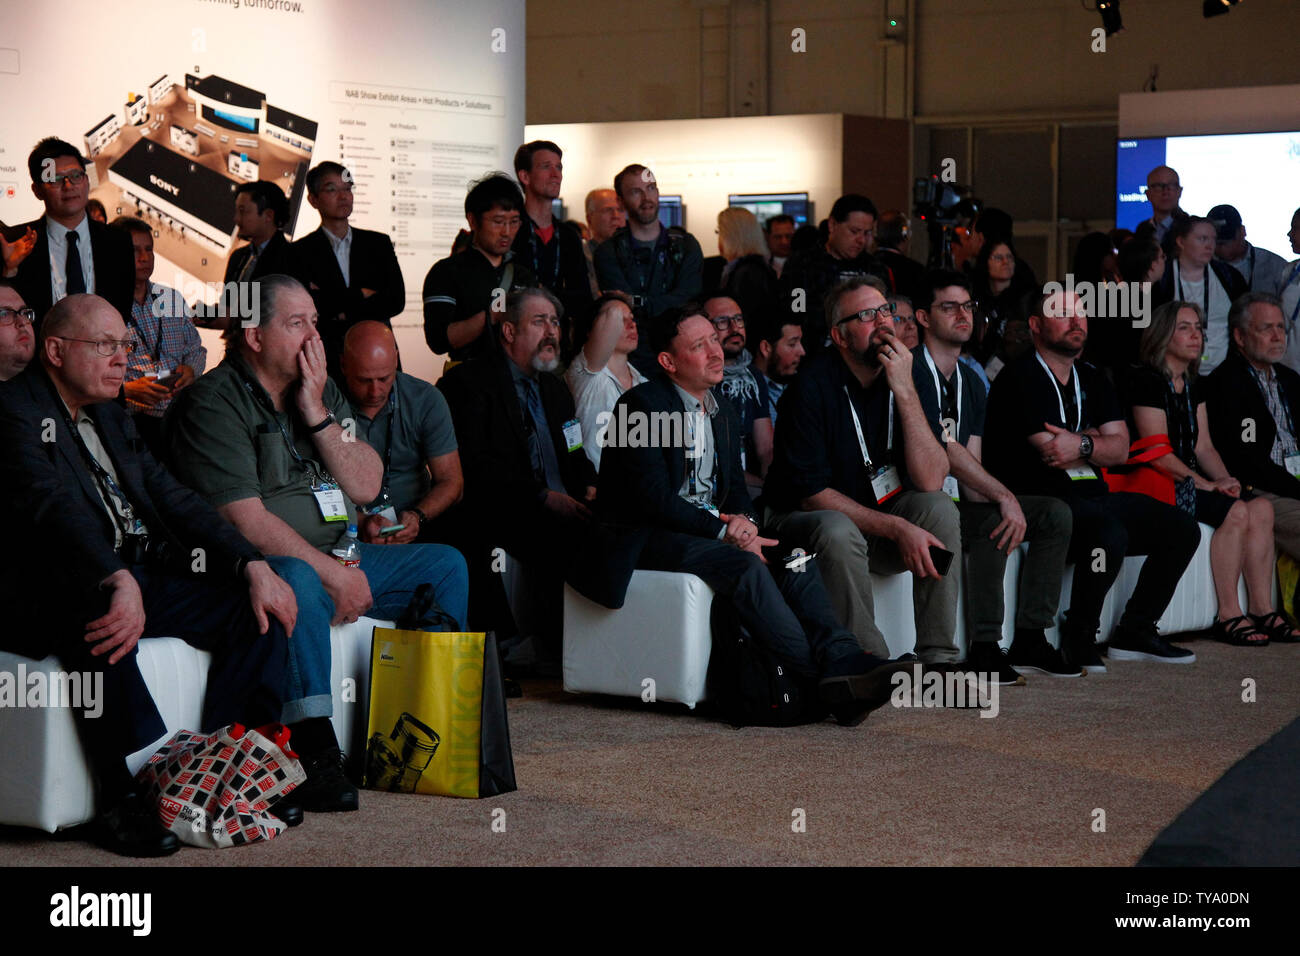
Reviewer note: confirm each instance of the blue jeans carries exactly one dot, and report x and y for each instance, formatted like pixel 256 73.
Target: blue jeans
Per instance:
pixel 394 571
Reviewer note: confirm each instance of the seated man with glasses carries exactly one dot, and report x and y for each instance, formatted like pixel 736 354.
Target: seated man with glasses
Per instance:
pixel 17 340
pixel 73 253
pixel 994 521
pixel 857 475
pixel 110 547
pixel 746 389
pixel 352 274
pixel 528 481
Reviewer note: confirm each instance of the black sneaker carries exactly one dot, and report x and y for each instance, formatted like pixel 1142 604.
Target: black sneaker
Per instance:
pixel 326 789
pixel 1146 645
pixel 131 827
pixel 1039 657
pixel 985 657
pixel 1084 653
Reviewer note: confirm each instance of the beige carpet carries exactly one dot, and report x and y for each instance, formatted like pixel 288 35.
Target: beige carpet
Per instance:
pixel 615 782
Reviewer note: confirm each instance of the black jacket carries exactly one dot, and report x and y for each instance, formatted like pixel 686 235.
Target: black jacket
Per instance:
pixel 114 269
pixel 1232 402
pixel 58 515
pixel 561 268
pixel 371 265
pixel 493 442
pixel 277 257
pixel 1166 291
pixel 904 275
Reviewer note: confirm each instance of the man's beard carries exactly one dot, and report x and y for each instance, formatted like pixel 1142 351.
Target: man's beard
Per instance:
pixel 543 364
pixel 1061 347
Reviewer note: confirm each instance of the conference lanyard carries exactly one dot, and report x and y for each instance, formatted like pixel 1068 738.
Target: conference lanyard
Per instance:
pixel 1191 409
pixel 535 241
pixel 938 392
pixel 1281 397
pixel 1179 279
pixel 857 427
pixel 124 516
pixel 1060 402
pixel 322 477
pixel 393 404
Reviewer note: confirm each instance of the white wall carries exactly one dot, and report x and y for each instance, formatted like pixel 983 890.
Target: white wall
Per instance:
pixel 704 160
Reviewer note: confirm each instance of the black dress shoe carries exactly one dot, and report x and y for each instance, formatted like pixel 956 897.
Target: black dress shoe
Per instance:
pixel 131 827
pixel 287 812
pixel 326 789
pixel 851 697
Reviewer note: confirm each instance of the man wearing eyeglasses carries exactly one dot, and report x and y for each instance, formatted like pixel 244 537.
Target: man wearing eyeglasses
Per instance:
pixel 1163 192
pixel 994 520
pixel 528 481
pixel 746 389
pixel 110 541
pixel 17 339
pixel 352 274
pixel 73 253
pixel 857 475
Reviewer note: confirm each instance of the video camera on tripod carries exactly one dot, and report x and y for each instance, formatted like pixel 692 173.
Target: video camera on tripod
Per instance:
pixel 942 207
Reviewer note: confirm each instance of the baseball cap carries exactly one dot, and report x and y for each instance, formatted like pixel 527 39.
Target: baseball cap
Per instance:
pixel 1226 220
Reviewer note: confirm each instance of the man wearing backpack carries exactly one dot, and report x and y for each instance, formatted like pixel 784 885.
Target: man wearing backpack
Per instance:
pixel 660 268
pixel 677 500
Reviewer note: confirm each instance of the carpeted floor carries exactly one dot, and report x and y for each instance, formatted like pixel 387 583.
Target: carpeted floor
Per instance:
pixel 606 781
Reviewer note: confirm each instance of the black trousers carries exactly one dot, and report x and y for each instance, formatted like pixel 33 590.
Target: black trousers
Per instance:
pixel 789 612
pixel 246 678
pixel 1108 527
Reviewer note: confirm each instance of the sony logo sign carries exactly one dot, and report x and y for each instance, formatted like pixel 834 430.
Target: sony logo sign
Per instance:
pixel 163 184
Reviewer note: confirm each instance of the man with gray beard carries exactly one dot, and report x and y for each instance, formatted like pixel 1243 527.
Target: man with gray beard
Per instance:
pixel 528 482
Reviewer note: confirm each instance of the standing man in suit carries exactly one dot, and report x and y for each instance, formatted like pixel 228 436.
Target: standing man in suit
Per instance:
pixel 528 482
pixel 73 254
pixel 352 274
pixel 261 213
pixel 109 538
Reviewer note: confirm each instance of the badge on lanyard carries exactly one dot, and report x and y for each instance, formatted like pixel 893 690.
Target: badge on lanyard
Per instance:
pixel 885 483
pixel 329 498
pixel 573 434
pixel 1082 473
pixel 1293 465
pixel 950 488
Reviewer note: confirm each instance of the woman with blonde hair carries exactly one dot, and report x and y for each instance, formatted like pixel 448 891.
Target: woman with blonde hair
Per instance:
pixel 748 277
pixel 1167 403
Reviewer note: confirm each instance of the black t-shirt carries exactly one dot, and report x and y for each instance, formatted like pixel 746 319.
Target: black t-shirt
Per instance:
pixel 816 446
pixel 1025 398
pixel 974 400
pixel 1150 389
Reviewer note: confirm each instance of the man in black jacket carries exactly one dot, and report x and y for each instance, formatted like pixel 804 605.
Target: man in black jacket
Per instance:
pixel 528 482
pixel 672 480
pixel 73 253
pixel 1252 400
pixel 261 213
pixel 115 550
pixel 352 274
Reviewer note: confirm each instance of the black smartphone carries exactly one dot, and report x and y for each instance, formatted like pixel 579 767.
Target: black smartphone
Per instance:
pixel 942 559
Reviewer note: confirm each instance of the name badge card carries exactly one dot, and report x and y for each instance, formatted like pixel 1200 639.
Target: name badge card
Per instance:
pixel 950 488
pixel 885 483
pixel 573 434
pixel 329 498
pixel 1081 473
pixel 1293 465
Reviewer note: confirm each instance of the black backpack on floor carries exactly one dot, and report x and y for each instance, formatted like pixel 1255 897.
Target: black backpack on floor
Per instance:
pixel 748 685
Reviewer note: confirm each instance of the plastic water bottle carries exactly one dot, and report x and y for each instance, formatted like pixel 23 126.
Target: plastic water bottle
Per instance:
pixel 348 550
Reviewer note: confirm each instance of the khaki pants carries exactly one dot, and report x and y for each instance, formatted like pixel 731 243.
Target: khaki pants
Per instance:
pixel 1286 522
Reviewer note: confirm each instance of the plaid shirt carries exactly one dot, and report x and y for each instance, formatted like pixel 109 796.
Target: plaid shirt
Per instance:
pixel 1284 442
pixel 163 343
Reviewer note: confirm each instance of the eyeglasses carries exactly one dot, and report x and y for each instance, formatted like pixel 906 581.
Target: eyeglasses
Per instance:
pixel 867 316
pixel 74 178
pixel 15 315
pixel 720 322
pixel 104 347
pixel 1162 186
pixel 952 308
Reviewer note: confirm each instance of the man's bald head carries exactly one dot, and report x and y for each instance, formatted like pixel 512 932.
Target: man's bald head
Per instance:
pixel 74 315
pixel 369 364
pixel 71 335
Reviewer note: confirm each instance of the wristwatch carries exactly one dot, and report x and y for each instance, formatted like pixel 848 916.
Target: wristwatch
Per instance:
pixel 325 423
pixel 1085 446
pixel 422 516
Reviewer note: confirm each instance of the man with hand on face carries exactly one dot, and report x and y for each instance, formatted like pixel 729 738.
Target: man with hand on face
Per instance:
pixel 72 253
pixel 1053 422
pixel 406 420
pixel 993 520
pixel 17 340
pixel 681 505
pixel 464 294
pixel 267 438
pixel 108 542
pixel 352 274
pixel 528 482
pixel 857 475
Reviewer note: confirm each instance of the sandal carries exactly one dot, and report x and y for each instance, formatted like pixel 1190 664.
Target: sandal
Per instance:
pixel 1277 627
pixel 1240 631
